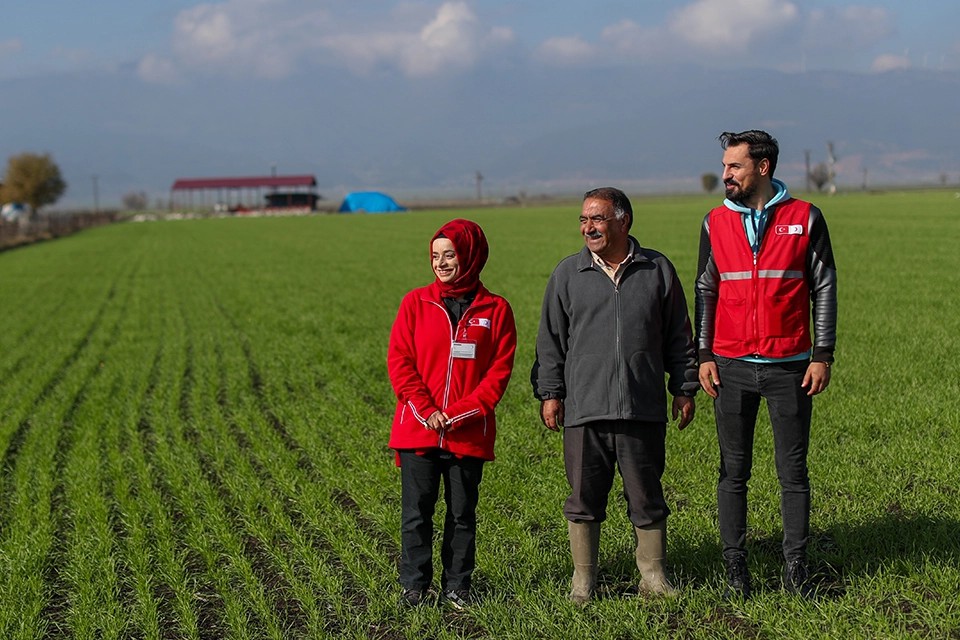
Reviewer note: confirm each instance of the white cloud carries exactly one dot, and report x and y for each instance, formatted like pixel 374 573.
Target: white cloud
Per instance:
pixel 775 34
pixel 890 62
pixel 565 51
pixel 74 58
pixel 631 39
pixel 869 23
pixel 419 38
pixel 273 38
pixel 155 69
pixel 853 27
pixel 453 38
pixel 704 32
pixel 724 26
pixel 264 37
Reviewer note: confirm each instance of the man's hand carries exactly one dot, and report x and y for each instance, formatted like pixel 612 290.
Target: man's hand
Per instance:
pixel 817 378
pixel 437 421
pixel 684 407
pixel 709 378
pixel 551 414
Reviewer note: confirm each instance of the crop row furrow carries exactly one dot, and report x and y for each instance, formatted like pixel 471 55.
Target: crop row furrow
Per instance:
pixel 281 465
pixel 83 575
pixel 203 500
pixel 141 536
pixel 270 498
pixel 156 525
pixel 309 539
pixel 288 596
pixel 258 499
pixel 36 322
pixel 13 442
pixel 179 482
pixel 57 607
pixel 338 494
pixel 175 600
pixel 34 547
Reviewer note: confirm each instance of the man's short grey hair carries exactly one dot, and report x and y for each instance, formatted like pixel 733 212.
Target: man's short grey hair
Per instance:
pixel 617 198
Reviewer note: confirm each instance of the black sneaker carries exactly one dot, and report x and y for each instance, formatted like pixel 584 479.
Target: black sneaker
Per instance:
pixel 796 580
pixel 738 580
pixel 459 599
pixel 412 597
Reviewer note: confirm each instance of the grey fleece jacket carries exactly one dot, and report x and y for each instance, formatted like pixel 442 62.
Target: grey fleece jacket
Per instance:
pixel 604 348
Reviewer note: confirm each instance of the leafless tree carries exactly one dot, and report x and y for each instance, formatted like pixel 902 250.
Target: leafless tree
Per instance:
pixel 135 201
pixel 820 175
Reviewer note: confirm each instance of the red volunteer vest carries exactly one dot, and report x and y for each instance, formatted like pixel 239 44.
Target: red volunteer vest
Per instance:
pixel 763 306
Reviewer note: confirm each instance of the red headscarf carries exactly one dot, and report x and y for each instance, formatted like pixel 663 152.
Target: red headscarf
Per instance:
pixel 472 251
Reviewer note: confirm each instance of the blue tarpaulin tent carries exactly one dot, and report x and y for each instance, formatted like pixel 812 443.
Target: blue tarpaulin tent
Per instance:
pixel 370 202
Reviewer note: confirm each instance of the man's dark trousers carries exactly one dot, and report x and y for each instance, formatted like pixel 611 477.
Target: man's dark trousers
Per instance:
pixel 593 452
pixel 742 386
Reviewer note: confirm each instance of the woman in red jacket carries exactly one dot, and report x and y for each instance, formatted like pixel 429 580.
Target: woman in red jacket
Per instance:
pixel 450 358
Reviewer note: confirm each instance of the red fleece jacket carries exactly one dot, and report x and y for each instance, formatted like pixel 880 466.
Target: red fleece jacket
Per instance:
pixel 429 375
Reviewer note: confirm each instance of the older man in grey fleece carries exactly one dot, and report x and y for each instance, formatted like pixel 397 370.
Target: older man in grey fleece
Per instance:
pixel 614 322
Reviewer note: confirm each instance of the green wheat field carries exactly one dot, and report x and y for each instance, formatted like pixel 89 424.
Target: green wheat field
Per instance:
pixel 194 417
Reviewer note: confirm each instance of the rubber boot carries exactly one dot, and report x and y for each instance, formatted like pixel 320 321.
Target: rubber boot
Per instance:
pixel 651 558
pixel 585 548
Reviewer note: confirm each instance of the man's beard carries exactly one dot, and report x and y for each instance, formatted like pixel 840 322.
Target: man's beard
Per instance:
pixel 739 194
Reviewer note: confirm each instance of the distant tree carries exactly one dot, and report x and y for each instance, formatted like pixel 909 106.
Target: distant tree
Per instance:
pixel 33 179
pixel 709 182
pixel 135 201
pixel 820 175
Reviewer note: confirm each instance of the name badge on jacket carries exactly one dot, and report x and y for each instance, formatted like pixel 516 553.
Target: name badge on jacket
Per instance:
pixel 465 350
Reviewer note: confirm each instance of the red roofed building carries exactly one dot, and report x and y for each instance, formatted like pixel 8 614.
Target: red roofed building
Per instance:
pixel 243 193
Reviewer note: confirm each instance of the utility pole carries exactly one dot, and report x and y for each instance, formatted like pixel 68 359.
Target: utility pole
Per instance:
pixel 96 194
pixel 831 171
pixel 479 178
pixel 806 155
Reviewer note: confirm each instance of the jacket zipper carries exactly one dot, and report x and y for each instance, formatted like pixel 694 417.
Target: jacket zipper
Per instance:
pixel 453 335
pixel 755 302
pixel 446 387
pixel 616 291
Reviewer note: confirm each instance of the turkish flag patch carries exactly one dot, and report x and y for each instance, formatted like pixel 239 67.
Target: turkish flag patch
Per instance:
pixel 789 230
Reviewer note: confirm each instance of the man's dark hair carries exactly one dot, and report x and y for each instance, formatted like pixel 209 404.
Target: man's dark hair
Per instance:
pixel 619 200
pixel 759 143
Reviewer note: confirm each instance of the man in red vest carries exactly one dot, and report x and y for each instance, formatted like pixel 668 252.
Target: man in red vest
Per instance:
pixel 766 264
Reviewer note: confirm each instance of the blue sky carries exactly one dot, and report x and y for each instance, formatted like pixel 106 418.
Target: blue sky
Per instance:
pixel 136 74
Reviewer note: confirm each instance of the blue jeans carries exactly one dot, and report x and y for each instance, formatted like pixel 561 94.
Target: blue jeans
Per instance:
pixel 420 487
pixel 743 384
